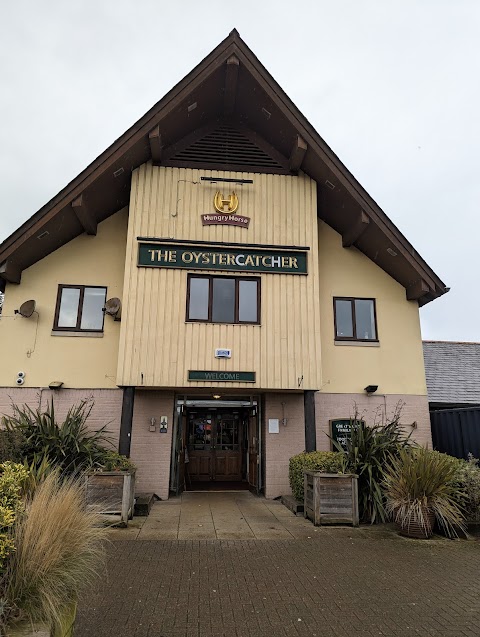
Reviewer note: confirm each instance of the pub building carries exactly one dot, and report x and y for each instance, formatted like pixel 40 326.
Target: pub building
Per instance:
pixel 221 287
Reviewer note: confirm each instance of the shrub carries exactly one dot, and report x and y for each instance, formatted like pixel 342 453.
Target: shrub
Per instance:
pixel 326 461
pixel 59 550
pixel 467 485
pixel 419 480
pixel 113 461
pixel 70 445
pixel 369 450
pixel 12 445
pixel 12 481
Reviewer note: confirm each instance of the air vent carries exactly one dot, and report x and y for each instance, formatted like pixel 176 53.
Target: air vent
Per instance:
pixel 226 146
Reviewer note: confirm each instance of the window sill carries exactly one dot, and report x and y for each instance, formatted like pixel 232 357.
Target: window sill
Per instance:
pixel 359 343
pixel 218 323
pixel 83 334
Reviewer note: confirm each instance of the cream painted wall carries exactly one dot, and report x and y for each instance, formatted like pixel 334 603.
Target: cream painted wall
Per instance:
pixel 77 361
pixel 158 346
pixel 396 366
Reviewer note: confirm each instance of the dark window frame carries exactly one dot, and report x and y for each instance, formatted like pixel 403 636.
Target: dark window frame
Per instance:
pixel 77 328
pixel 237 279
pixel 352 300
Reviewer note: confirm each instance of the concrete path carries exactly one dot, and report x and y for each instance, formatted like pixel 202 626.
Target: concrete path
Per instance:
pixel 333 582
pixel 217 516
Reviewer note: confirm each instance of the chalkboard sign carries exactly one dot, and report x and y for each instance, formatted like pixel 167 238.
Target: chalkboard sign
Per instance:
pixel 340 430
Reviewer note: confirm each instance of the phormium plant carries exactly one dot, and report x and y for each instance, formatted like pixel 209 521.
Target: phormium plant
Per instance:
pixel 369 451
pixel 70 445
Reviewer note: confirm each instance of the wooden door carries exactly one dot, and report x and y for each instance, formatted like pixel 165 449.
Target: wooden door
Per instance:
pixel 228 448
pixel 253 450
pixel 200 464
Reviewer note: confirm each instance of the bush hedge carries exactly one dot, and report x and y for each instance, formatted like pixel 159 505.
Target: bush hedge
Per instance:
pixel 326 461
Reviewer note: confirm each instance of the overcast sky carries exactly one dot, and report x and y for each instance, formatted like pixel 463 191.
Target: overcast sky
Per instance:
pixel 391 85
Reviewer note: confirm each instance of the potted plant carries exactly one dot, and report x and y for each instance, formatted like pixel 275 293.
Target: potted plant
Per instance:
pixel 110 488
pixel 419 491
pixel 57 550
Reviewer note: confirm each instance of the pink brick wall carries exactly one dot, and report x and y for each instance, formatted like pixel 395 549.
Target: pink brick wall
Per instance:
pixel 151 451
pixel 106 409
pixel 372 409
pixel 280 447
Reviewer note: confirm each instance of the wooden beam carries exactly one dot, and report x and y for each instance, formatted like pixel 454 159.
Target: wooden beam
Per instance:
pixel 84 215
pixel 417 289
pixel 156 148
pixel 298 153
pixel 356 230
pixel 126 420
pixel 231 81
pixel 309 415
pixel 10 272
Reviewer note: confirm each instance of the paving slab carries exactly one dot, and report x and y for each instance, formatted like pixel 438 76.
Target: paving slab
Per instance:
pixel 246 570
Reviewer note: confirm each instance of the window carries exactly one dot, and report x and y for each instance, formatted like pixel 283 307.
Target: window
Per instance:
pixel 80 308
pixel 355 319
pixel 215 299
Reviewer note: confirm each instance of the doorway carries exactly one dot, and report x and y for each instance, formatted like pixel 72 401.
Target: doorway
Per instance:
pixel 217 445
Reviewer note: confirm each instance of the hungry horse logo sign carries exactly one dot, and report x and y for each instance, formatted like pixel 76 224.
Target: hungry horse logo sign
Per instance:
pixel 226 209
pixel 231 202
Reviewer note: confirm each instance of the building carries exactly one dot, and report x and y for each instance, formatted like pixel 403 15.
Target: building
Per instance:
pixel 262 289
pixel 453 384
pixel 453 374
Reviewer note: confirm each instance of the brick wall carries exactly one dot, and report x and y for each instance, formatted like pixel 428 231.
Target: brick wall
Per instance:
pixel 151 451
pixel 280 447
pixel 106 404
pixel 372 409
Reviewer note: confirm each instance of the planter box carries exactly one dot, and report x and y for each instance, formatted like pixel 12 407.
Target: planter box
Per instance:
pixel 331 498
pixel 112 493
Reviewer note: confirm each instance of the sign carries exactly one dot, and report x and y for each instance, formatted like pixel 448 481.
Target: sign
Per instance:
pixel 226 209
pixel 225 220
pixel 273 426
pixel 223 353
pixel 340 431
pixel 222 377
pixel 219 203
pixel 171 255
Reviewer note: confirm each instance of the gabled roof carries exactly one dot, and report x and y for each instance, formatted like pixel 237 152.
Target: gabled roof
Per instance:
pixel 453 372
pixel 229 88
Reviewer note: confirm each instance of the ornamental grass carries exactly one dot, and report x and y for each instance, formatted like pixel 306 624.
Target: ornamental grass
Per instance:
pixel 419 481
pixel 59 550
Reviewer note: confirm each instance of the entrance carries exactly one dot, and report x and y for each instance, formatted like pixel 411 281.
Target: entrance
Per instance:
pixel 217 445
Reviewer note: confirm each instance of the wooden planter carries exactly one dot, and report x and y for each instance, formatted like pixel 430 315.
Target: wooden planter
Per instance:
pixel 331 498
pixel 112 493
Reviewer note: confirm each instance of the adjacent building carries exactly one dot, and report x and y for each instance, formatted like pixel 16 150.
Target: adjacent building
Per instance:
pixel 222 288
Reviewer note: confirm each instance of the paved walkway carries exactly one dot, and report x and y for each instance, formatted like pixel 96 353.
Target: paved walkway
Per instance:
pixel 237 515
pixel 335 582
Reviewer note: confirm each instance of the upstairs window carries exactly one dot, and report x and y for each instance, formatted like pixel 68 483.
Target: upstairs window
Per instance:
pixel 214 299
pixel 80 308
pixel 355 319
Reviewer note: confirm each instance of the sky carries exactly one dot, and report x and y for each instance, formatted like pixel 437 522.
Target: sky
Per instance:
pixel 391 85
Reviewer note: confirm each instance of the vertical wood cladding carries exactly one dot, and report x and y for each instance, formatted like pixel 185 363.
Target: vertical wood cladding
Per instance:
pixel 157 346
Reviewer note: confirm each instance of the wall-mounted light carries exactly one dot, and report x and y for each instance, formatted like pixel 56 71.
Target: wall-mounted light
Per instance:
pixel 216 396
pixel 371 389
pixel 55 384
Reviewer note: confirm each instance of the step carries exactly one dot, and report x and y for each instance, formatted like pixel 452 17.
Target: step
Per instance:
pixel 143 503
pixel 295 506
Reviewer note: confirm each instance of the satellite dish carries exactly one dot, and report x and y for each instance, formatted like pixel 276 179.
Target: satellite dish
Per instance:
pixel 112 307
pixel 27 309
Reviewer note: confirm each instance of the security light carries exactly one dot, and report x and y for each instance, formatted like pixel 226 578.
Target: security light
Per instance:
pixel 371 389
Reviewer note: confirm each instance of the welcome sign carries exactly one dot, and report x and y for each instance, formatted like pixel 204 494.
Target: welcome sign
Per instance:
pixel 170 255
